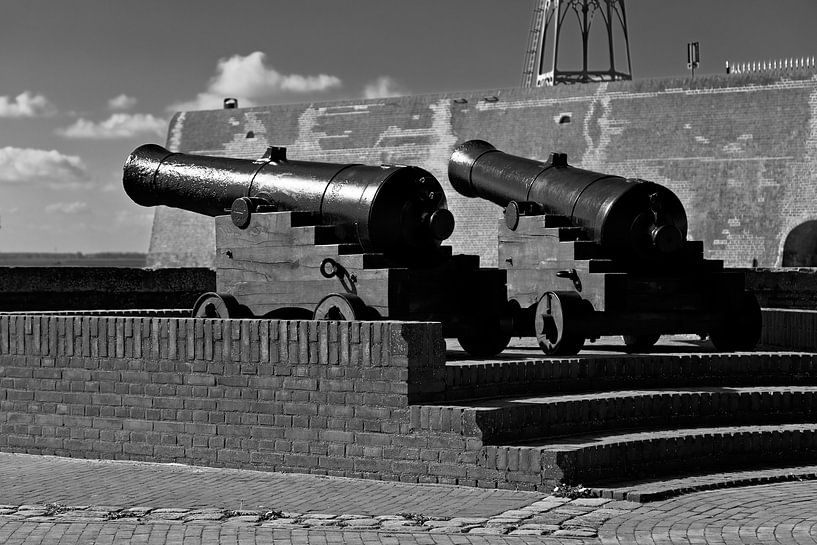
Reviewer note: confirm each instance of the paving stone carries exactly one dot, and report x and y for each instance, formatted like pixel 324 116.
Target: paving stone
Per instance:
pixel 542 527
pixel 282 521
pixel 575 532
pixel 355 517
pixel 138 511
pixel 590 502
pixel 318 522
pixel 448 530
pixel 469 520
pixel 622 504
pixel 390 517
pixel 168 515
pixel 399 524
pixel 521 532
pixel 571 510
pixel 39 518
pixel 277 524
pixel 361 523
pixel 203 516
pixel 443 524
pixel 319 516
pixel 549 518
pixel 493 531
pixel 500 521
pixel 515 513
pixel 243 519
pixel 28 513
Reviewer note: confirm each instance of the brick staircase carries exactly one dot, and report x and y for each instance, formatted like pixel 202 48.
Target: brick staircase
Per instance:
pixel 598 419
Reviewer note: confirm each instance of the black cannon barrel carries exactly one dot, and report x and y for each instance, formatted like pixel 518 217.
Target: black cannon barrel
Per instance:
pixel 625 215
pixel 391 208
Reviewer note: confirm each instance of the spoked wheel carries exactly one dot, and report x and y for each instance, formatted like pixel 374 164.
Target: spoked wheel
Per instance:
pixel 640 343
pixel 341 306
pixel 741 329
pixel 558 323
pixel 216 305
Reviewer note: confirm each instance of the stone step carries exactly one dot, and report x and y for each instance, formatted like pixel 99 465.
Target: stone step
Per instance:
pixel 657 489
pixel 519 420
pixel 474 380
pixel 597 458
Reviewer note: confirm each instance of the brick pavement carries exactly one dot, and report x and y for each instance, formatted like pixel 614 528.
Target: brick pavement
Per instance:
pixel 771 513
pixel 57 501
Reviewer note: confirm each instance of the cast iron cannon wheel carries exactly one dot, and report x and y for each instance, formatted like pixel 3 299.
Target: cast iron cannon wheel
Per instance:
pixel 640 343
pixel 483 342
pixel 741 328
pixel 217 305
pixel 341 306
pixel 558 323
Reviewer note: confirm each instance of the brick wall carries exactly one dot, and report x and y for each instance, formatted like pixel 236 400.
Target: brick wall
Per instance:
pixel 783 288
pixel 739 150
pixel 790 329
pixel 316 397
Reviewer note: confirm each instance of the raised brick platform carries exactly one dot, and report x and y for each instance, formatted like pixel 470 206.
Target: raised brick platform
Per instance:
pixel 377 400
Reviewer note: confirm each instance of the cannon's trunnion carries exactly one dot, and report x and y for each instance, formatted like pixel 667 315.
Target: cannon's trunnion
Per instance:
pixel 589 254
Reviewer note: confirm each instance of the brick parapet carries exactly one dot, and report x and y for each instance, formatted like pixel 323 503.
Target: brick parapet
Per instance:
pixel 792 329
pixel 316 397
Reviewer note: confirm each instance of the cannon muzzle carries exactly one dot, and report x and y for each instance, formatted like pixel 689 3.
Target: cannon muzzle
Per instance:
pixel 626 216
pixel 390 209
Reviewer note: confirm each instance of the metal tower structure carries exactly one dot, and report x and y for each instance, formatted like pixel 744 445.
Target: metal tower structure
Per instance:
pixel 553 23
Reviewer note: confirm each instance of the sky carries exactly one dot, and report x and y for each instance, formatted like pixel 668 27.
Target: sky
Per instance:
pixel 84 82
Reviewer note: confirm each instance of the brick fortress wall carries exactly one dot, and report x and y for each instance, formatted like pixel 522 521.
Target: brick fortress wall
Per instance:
pixel 739 150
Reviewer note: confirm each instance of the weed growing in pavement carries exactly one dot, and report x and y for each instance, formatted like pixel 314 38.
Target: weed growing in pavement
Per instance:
pixel 116 515
pixel 52 509
pixel 572 492
pixel 416 517
pixel 270 514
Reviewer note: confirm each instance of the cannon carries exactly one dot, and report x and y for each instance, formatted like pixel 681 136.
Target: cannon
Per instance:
pixel 591 254
pixel 302 239
pixel 398 209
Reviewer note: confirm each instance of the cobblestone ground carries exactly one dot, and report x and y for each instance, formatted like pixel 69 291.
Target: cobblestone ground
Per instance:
pixel 57 501
pixel 772 513
pixel 51 500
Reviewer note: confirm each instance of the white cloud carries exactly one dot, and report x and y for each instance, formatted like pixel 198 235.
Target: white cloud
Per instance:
pixel 119 125
pixel 26 104
pixel 36 166
pixel 382 87
pixel 122 102
pixel 67 208
pixel 249 80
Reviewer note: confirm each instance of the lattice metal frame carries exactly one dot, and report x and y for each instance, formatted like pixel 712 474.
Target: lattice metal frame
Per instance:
pixel 548 19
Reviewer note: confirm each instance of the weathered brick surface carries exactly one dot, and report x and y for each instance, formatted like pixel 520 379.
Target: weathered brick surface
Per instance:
pixel 793 329
pixel 739 150
pixel 327 398
pixel 354 399
pixel 783 288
